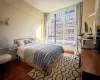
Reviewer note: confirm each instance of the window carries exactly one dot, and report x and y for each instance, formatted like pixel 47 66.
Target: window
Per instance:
pixel 62 28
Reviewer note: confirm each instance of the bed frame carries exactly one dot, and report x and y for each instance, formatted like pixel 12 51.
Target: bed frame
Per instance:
pixel 53 64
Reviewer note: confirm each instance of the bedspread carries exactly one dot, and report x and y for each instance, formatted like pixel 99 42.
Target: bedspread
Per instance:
pixel 43 54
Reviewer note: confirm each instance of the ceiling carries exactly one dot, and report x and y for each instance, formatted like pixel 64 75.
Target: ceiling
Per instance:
pixel 51 5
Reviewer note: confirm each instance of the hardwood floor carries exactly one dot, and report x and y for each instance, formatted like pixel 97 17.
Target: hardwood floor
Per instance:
pixel 68 52
pixel 16 71
pixel 90 62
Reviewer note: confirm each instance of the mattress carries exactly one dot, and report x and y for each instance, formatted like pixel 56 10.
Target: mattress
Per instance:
pixel 21 50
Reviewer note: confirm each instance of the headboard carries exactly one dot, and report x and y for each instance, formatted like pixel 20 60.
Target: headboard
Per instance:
pixel 16 40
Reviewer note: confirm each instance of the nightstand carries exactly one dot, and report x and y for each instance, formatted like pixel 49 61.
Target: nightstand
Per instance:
pixel 13 53
pixel 87 43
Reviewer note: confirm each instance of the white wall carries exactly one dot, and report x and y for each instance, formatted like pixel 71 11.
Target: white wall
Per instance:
pixel 24 21
pixel 88 9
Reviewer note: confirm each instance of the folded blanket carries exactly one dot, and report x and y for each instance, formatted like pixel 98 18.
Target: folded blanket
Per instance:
pixel 44 55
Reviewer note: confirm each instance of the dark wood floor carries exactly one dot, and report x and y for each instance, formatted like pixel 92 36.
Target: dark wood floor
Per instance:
pixel 16 71
pixel 90 62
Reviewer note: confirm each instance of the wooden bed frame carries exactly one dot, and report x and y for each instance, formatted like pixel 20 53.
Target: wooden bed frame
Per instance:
pixel 53 64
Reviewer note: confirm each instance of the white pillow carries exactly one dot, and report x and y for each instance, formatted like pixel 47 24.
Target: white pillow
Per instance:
pixel 21 43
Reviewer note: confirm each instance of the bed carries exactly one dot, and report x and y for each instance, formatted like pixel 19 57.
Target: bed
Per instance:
pixel 40 56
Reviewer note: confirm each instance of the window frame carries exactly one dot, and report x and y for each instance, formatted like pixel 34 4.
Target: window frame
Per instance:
pixel 75 33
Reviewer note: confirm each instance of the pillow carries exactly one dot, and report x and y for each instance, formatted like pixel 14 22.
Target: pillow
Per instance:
pixel 34 41
pixel 27 41
pixel 20 42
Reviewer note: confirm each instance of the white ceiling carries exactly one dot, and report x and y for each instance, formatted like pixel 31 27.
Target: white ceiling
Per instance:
pixel 51 5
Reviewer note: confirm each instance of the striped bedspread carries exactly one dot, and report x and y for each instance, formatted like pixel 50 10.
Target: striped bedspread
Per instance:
pixel 44 55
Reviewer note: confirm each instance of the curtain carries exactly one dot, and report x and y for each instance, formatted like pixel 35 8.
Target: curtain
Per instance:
pixel 79 11
pixel 46 25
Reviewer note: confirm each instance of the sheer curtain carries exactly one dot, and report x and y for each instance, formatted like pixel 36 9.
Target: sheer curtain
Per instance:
pixel 72 22
pixel 61 27
pixel 79 11
pixel 46 25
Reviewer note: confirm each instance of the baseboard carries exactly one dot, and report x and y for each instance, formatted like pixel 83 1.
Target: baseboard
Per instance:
pixel 68 51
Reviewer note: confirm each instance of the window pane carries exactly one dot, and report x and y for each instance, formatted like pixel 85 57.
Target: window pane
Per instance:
pixel 62 29
pixel 69 28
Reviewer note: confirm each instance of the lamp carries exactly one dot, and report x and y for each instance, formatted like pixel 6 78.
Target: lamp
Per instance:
pixel 92 15
pixel 93 30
